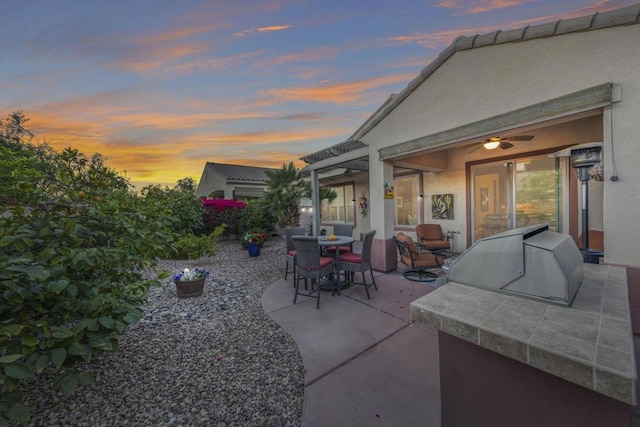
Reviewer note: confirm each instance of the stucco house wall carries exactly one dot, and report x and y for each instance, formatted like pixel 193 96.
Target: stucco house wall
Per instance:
pixel 476 84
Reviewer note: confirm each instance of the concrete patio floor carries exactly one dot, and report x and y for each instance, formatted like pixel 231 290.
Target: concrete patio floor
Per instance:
pixel 365 362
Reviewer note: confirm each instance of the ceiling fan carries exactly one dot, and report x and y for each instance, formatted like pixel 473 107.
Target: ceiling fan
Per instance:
pixel 495 142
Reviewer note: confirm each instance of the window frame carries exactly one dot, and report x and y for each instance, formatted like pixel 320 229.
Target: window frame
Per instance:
pixel 348 205
pixel 420 200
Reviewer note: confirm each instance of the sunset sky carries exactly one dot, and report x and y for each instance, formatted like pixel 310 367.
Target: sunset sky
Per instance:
pixel 160 87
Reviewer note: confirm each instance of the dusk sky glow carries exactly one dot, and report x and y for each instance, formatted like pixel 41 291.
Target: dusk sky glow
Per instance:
pixel 160 87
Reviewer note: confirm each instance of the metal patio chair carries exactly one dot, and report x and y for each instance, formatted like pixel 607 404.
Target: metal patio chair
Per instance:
pixel 419 262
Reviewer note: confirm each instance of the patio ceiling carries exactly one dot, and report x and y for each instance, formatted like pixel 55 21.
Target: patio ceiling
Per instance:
pixel 351 155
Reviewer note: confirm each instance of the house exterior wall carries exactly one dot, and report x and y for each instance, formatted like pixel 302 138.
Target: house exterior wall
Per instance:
pixel 211 181
pixel 479 83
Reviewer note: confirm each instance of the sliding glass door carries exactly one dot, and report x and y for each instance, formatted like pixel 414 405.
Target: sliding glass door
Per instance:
pixel 516 193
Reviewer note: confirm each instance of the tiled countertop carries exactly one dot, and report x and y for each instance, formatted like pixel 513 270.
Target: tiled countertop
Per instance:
pixel 589 343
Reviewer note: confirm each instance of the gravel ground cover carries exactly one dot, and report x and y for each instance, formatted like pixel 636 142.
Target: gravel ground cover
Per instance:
pixel 211 360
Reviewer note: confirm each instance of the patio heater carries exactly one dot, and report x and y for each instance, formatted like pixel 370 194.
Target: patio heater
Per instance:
pixel 583 159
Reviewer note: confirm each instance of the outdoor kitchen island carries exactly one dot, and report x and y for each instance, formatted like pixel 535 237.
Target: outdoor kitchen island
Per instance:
pixel 509 360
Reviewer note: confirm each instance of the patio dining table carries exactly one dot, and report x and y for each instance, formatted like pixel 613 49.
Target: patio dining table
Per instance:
pixel 324 241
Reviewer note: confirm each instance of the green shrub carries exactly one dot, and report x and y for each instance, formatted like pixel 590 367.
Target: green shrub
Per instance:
pixel 184 208
pixel 256 216
pixel 74 243
pixel 191 246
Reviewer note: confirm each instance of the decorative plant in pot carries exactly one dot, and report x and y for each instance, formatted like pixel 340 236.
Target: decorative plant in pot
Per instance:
pixel 255 239
pixel 190 282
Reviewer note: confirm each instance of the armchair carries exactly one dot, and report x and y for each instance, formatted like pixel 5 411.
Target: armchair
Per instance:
pixel 430 237
pixel 419 262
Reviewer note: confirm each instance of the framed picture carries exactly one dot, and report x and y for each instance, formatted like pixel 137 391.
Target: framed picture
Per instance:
pixel 484 199
pixel 399 201
pixel 442 206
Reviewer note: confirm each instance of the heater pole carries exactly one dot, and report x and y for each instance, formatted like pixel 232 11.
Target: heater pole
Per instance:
pixel 585 214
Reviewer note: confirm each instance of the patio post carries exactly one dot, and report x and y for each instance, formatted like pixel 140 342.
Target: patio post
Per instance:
pixel 315 202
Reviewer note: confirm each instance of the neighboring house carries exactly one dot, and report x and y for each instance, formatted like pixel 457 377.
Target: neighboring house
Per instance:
pixel 223 181
pixel 544 88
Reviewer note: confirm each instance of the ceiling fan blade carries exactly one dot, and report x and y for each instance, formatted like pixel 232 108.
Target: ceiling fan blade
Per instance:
pixel 477 146
pixel 505 145
pixel 520 138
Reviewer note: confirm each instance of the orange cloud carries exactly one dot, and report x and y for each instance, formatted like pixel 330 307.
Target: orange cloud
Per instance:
pixel 268 29
pixel 179 34
pixel 474 7
pixel 310 55
pixel 167 157
pixel 342 93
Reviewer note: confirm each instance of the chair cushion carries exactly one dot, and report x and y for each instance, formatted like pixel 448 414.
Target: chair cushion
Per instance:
pixel 332 249
pixel 351 257
pixel 429 231
pixel 324 262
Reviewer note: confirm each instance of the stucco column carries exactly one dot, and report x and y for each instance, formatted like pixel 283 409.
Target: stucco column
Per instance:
pixel 382 215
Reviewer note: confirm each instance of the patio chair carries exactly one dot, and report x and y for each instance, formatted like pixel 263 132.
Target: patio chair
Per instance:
pixel 430 237
pixel 353 263
pixel 419 262
pixel 310 265
pixel 342 230
pixel 291 250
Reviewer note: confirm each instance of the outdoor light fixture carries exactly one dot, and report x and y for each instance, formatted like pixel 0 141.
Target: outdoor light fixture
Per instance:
pixel 492 144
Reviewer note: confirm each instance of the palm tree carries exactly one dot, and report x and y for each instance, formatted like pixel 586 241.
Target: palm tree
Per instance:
pixel 285 187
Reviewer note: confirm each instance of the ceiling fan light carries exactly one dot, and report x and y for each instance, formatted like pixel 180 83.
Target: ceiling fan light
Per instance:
pixel 491 145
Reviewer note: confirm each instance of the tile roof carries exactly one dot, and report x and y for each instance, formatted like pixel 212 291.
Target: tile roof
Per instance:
pixel 624 16
pixel 239 172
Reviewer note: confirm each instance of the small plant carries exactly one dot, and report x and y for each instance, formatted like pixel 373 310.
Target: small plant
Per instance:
pixel 188 275
pixel 257 237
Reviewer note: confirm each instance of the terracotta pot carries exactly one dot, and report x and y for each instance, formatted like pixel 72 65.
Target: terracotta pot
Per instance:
pixel 191 288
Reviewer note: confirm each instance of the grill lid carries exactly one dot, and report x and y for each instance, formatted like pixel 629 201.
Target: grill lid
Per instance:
pixel 531 262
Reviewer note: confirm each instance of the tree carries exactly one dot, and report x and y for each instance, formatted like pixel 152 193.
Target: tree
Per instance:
pixel 186 210
pixel 285 188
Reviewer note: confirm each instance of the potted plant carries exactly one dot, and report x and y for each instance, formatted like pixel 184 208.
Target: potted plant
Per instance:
pixel 190 282
pixel 255 239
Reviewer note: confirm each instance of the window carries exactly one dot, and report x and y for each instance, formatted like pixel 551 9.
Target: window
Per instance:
pixel 517 193
pixel 341 209
pixel 407 199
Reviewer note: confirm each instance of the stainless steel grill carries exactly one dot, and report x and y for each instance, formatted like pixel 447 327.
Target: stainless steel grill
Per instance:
pixel 531 262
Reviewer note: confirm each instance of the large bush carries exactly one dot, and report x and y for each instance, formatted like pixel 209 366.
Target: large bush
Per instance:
pixel 184 208
pixel 222 211
pixel 73 246
pixel 256 216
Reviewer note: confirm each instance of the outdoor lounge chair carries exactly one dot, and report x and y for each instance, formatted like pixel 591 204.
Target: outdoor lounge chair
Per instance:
pixel 430 237
pixel 419 262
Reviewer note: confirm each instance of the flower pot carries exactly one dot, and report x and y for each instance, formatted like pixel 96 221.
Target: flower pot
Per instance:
pixel 191 288
pixel 254 250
